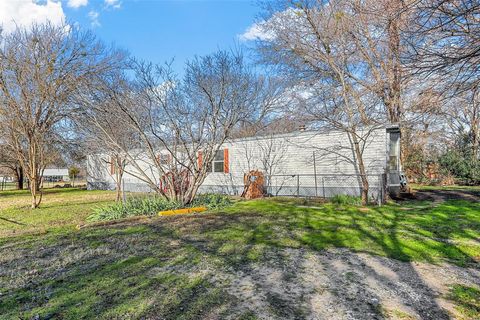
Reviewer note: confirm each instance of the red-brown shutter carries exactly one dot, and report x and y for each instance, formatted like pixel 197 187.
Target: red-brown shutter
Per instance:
pixel 200 159
pixel 226 165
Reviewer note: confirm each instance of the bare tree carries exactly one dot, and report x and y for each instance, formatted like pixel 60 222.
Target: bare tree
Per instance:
pixel 96 142
pixel 98 129
pixel 41 68
pixel 377 33
pixel 10 163
pixel 374 29
pixel 265 152
pixel 445 42
pixel 180 125
pixel 463 117
pixel 273 153
pixel 314 42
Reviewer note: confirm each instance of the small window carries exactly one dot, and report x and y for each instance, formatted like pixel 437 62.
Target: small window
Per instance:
pixel 218 161
pixel 394 152
pixel 218 166
pixel 392 163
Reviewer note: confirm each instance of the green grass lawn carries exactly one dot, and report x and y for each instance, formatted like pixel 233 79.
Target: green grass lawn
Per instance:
pixel 474 189
pixel 467 300
pixel 60 208
pixel 4 186
pixel 411 231
pixel 168 267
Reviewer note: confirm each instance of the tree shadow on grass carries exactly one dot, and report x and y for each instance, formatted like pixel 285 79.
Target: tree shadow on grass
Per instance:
pixel 363 303
pixel 120 274
pixel 268 263
pixel 13 221
pixel 388 240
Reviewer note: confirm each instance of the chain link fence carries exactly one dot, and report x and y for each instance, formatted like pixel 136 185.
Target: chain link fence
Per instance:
pixel 311 185
pixel 9 184
pixel 293 185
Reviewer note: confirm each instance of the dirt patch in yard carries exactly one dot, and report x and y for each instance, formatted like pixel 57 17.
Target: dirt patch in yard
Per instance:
pixel 285 283
pixel 444 195
pixel 340 284
pixel 206 267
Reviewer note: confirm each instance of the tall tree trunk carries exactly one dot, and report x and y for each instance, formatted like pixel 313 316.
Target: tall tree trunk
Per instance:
pixel 34 174
pixel 361 169
pixel 19 176
pixel 475 132
pixel 119 191
pixel 35 192
pixel 475 125
pixel 393 99
pixel 119 170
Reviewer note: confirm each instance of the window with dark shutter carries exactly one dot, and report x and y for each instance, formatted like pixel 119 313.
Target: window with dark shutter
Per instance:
pixel 219 163
pixel 226 164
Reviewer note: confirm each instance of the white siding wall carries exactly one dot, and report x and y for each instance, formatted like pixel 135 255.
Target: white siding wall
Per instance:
pixel 99 175
pixel 292 154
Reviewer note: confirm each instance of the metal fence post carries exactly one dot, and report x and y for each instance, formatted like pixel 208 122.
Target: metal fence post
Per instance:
pixel 315 174
pixel 380 190
pixel 323 186
pixel 384 187
pixel 298 185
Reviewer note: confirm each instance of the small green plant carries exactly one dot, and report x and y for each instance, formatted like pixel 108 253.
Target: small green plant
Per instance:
pixel 152 205
pixel 346 200
pixel 212 201
pixel 133 207
pixel 467 300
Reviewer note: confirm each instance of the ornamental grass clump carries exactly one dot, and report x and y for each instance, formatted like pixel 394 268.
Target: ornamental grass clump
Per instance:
pixel 150 206
pixel 343 199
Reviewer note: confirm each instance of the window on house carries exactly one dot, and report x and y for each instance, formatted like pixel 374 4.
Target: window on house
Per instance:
pixel 218 161
pixel 394 152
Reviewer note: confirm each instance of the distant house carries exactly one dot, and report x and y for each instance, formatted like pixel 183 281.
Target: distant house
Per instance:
pixel 6 178
pixel 302 163
pixel 55 175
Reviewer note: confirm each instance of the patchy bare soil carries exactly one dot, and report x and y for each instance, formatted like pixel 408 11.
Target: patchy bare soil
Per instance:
pixel 444 195
pixel 339 284
pixel 240 265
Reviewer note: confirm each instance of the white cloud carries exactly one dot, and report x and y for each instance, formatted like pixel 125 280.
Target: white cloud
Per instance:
pixel 77 3
pixel 23 13
pixel 266 30
pixel 256 32
pixel 115 4
pixel 93 16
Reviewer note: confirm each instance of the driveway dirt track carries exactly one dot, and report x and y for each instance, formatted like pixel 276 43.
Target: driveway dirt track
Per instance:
pixel 214 279
pixel 339 284
pixel 444 195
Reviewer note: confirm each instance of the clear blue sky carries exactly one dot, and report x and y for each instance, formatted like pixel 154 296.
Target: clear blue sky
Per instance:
pixel 159 30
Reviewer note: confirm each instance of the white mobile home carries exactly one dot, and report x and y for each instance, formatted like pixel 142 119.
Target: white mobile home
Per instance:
pixel 302 163
pixel 55 175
